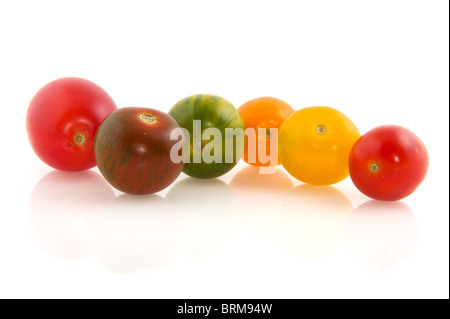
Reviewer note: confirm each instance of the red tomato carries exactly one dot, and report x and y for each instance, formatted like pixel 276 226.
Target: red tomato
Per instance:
pixel 62 119
pixel 388 163
pixel 133 150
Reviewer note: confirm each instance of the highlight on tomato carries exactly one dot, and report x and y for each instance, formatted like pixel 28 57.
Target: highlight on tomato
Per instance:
pixel 62 119
pixel 388 163
pixel 314 144
pixel 263 114
pixel 133 150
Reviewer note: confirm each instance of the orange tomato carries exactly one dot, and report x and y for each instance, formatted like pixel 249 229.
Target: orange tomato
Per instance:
pixel 263 113
pixel 314 145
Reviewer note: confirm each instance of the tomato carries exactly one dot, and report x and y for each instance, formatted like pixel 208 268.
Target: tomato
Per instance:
pixel 314 144
pixel 200 115
pixel 62 119
pixel 132 150
pixel 263 113
pixel 388 163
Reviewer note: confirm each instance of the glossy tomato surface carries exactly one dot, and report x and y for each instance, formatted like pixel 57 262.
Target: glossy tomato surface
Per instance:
pixel 213 112
pixel 314 144
pixel 388 163
pixel 62 120
pixel 132 150
pixel 263 113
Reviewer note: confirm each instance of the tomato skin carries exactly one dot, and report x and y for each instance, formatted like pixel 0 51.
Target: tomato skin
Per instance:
pixel 62 119
pixel 133 153
pixel 388 163
pixel 314 144
pixel 214 112
pixel 263 112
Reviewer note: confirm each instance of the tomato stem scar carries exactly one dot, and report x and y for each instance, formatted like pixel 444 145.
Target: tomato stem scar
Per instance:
pixel 321 129
pixel 374 167
pixel 79 139
pixel 148 118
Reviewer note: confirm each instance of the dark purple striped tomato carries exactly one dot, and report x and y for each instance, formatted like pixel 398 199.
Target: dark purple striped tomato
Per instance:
pixel 132 150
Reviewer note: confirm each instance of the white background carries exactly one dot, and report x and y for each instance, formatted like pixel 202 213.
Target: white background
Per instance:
pixel 379 62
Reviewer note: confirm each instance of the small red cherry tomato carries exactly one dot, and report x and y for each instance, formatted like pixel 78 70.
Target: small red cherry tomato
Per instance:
pixel 62 120
pixel 388 163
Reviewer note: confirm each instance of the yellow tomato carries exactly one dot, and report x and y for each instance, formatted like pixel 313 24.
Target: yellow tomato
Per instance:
pixel 314 144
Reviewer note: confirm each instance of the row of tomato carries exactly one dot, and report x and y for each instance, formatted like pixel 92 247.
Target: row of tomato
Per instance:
pixel 73 125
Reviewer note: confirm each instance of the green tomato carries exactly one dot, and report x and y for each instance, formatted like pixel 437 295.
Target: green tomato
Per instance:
pixel 215 131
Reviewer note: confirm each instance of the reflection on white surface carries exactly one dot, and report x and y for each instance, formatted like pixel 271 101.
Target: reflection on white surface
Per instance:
pixel 250 185
pixel 137 234
pixel 258 194
pixel 380 234
pixel 63 208
pixel 71 213
pixel 207 211
pixel 310 220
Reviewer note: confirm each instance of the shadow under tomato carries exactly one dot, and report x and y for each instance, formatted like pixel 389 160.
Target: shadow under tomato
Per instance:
pixel 378 234
pixel 310 220
pixel 62 210
pixel 137 233
pixel 207 210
